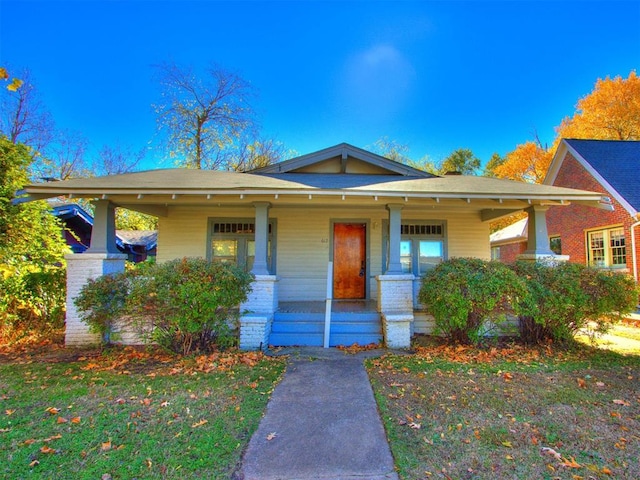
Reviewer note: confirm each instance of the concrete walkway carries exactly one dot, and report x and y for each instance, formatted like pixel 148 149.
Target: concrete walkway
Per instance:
pixel 321 423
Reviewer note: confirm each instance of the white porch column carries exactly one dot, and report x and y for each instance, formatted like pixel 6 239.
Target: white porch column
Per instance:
pixel 261 238
pixel 395 289
pixel 395 225
pixel 538 248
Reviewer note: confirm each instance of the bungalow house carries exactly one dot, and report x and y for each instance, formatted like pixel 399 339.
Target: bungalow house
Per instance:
pixel 337 239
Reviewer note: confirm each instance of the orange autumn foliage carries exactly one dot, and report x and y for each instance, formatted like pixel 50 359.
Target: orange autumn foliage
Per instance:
pixel 529 162
pixel 610 112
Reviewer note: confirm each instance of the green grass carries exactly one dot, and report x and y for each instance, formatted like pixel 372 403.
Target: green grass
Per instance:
pixel 140 419
pixel 457 414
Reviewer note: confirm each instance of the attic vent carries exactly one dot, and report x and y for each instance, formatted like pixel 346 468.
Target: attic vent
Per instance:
pixel 408 229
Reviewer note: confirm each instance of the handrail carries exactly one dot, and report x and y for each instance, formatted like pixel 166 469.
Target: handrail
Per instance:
pixel 327 313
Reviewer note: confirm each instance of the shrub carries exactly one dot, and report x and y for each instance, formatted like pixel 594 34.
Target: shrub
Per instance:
pixel 32 299
pixel 183 305
pixel 463 293
pixel 192 303
pixel 567 298
pixel 102 303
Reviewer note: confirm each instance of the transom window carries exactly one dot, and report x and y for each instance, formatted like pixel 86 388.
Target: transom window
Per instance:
pixel 234 242
pixel 607 248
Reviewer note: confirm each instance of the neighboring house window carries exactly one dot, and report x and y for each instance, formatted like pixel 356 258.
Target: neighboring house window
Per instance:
pixel 606 248
pixel 234 242
pixel 495 253
pixel 421 247
pixel 555 243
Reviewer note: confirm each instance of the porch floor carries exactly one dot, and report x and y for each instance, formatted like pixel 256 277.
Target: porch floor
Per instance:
pixel 339 306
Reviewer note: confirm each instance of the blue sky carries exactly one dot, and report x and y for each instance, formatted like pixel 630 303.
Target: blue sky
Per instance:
pixel 435 76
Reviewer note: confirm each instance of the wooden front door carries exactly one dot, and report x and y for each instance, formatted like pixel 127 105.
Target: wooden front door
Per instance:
pixel 349 260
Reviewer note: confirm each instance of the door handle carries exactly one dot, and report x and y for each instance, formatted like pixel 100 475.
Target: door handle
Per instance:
pixel 362 269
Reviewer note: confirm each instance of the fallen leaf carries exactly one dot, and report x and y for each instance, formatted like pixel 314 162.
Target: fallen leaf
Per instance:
pixel 34 463
pixel 149 463
pixel 75 420
pixel 550 451
pixel 47 449
pixel 9 412
pixel 415 426
pixel 570 463
pixel 105 446
pixel 199 424
pixel 621 402
pixel 61 420
pixel 507 444
pixel 600 384
pixel 271 436
pixel 53 410
pixel 507 376
pixel 606 471
pixel 582 383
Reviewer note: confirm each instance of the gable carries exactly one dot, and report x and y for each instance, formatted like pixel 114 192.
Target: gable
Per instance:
pixel 614 164
pixel 343 159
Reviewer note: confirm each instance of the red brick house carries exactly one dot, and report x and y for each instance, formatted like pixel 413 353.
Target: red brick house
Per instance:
pixel 510 242
pixel 607 239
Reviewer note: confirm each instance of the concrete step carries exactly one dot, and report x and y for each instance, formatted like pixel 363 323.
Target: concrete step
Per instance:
pixel 317 339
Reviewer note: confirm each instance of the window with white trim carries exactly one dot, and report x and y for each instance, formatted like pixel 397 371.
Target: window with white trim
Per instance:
pixel 233 241
pixel 421 246
pixel 607 248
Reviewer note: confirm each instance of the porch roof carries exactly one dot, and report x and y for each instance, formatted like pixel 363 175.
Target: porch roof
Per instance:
pixel 328 176
pixel 181 181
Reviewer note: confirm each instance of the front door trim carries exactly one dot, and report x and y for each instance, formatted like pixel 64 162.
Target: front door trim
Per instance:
pixel 367 229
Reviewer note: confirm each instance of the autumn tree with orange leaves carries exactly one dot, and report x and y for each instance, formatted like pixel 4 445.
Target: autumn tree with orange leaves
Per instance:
pixel 610 112
pixel 529 162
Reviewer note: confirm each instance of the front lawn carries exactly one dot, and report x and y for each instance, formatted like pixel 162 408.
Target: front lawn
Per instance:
pixel 457 413
pixel 131 414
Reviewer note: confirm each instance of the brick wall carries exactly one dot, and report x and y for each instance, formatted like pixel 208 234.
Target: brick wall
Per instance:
pixel 571 222
pixel 510 251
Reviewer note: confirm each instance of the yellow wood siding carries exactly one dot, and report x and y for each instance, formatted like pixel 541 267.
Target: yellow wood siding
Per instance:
pixel 183 233
pixel 303 240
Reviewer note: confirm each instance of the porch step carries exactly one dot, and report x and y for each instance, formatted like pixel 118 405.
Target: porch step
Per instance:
pixel 307 328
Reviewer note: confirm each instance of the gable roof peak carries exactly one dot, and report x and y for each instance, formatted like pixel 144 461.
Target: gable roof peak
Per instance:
pixel 340 155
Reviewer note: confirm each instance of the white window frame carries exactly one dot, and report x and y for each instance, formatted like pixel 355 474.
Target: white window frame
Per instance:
pixel 607 252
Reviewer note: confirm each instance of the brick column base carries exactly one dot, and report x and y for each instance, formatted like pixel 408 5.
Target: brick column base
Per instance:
pixel 81 268
pixel 256 314
pixel 395 304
